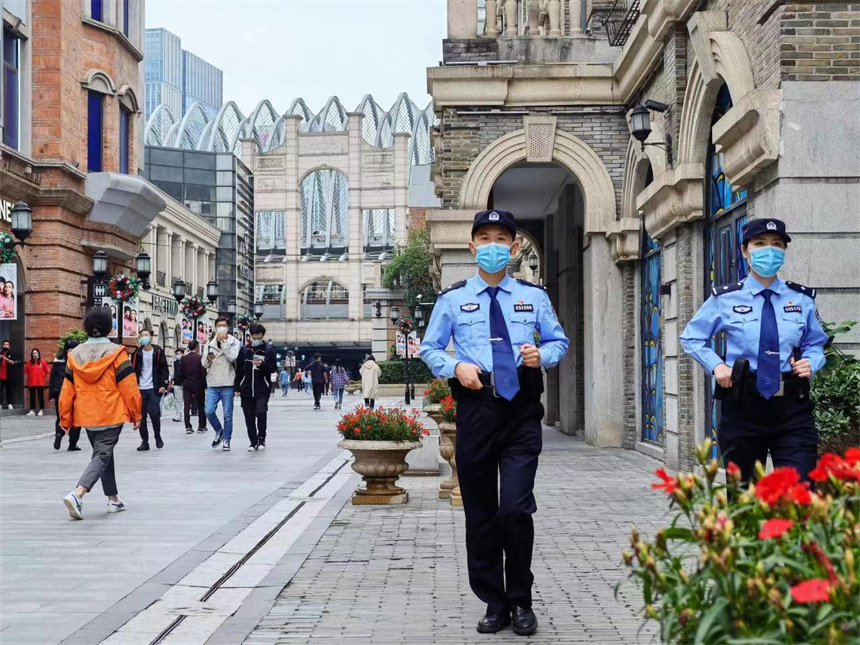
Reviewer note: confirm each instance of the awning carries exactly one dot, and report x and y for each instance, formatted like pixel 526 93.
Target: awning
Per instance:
pixel 128 202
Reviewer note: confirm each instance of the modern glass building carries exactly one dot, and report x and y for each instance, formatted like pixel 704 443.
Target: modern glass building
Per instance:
pixel 177 78
pixel 220 188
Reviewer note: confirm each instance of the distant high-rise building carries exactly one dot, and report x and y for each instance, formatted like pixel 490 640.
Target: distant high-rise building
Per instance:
pixel 177 78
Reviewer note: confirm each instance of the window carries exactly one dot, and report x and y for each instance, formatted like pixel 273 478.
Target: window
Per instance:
pixel 378 228
pixel 325 202
pixel 325 299
pixel 270 294
pixel 11 88
pixel 95 134
pixel 271 227
pixel 97 10
pixel 124 140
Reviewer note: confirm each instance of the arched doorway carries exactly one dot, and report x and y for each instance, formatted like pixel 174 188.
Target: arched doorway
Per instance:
pixel 548 204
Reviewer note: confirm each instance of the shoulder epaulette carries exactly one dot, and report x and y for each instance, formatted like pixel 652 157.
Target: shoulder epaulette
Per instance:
pixel 531 284
pixel 728 288
pixel 456 285
pixel 806 291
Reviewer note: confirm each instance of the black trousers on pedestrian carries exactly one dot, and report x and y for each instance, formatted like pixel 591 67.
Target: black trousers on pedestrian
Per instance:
pixel 782 426
pixel 256 410
pixel 318 392
pixel 150 405
pixel 370 403
pixel 498 444
pixel 74 433
pixel 5 391
pixel 196 398
pixel 34 393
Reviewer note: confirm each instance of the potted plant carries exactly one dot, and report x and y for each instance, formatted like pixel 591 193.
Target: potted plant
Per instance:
pixel 436 390
pixel 380 440
pixel 773 562
pixel 450 488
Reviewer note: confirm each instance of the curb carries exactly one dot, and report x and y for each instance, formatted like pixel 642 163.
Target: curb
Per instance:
pixel 23 439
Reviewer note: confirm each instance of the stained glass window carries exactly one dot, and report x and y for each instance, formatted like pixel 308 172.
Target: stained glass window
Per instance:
pixel 652 346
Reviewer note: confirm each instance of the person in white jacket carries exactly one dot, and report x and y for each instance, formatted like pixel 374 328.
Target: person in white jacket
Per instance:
pixel 370 373
pixel 219 359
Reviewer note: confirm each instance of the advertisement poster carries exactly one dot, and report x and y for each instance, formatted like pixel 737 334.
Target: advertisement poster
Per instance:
pixel 413 345
pixel 400 343
pixel 131 322
pixel 9 291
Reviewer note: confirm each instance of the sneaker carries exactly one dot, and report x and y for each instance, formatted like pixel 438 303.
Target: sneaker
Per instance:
pixel 262 446
pixel 58 439
pixel 73 449
pixel 116 507
pixel 218 437
pixel 40 413
pixel 74 505
pixel 253 448
pixel 189 430
pixel 159 443
pixel 226 446
pixel 201 430
pixel 31 413
pixel 178 420
pixel 142 447
pixel 10 406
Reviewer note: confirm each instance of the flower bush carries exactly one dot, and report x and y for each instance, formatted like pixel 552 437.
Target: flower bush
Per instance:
pixel 775 562
pixel 836 392
pixel 437 390
pixel 381 424
pixel 449 409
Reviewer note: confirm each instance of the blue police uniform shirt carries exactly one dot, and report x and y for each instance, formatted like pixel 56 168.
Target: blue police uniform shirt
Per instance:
pixel 736 310
pixel 464 313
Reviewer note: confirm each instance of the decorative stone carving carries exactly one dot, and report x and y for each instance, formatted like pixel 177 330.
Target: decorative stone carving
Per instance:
pixel 447 449
pixel 380 463
pixel 672 199
pixel 510 17
pixel 270 163
pixel 748 135
pixel 540 137
pixel 490 28
pixel 98 81
pixel 575 17
pixel 623 238
pixel 554 11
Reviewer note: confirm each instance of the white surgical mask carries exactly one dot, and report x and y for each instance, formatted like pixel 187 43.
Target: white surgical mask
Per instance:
pixel 221 330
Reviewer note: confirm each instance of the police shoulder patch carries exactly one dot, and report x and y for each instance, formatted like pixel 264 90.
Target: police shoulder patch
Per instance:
pixel 728 288
pixel 807 291
pixel 456 285
pixel 531 284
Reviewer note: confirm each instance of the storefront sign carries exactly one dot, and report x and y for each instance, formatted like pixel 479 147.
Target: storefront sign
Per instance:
pixel 165 306
pixel 6 211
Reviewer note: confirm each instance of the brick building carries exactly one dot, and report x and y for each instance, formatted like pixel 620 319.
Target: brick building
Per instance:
pixel 754 107
pixel 70 150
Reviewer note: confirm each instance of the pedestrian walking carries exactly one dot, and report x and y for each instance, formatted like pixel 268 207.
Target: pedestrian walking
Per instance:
pixel 194 386
pixel 36 371
pixel 370 373
pixel 150 367
pixel 774 345
pixel 497 382
pixel 55 386
pixel 284 379
pixel 100 394
pixel 339 378
pixel 255 365
pixel 319 378
pixel 7 362
pixel 327 384
pixel 219 359
pixel 176 383
pixel 306 379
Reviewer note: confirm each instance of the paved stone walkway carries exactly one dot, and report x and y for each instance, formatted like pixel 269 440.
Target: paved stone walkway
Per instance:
pixel 398 575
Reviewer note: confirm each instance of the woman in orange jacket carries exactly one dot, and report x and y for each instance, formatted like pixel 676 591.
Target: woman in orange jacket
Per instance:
pixel 100 394
pixel 35 371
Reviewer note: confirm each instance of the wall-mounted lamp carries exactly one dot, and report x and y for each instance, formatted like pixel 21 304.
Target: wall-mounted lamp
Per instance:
pixel 640 127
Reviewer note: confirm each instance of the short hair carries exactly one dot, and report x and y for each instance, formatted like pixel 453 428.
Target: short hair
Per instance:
pixel 98 322
pixel 317 356
pixel 220 318
pixel 256 328
pixel 193 344
pixel 145 329
pixel 180 350
pixel 5 340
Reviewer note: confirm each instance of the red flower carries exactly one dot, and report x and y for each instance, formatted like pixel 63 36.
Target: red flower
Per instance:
pixel 774 528
pixel 799 494
pixel 832 464
pixel 732 470
pixel 670 484
pixel 773 487
pixel 357 431
pixel 815 590
pixel 852 456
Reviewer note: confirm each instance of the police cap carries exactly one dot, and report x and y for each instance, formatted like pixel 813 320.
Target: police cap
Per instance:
pixel 502 218
pixel 762 226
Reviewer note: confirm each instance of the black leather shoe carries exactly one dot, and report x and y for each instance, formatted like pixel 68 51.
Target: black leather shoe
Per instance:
pixel 58 439
pixel 73 449
pixel 159 443
pixel 493 622
pixel 142 447
pixel 525 621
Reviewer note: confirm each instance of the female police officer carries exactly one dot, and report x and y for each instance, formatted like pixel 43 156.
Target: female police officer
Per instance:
pixel 497 382
pixel 774 344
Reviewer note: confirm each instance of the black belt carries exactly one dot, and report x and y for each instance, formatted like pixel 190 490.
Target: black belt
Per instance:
pixel 744 388
pixel 530 378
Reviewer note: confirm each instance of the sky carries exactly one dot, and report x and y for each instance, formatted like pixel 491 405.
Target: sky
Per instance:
pixel 313 49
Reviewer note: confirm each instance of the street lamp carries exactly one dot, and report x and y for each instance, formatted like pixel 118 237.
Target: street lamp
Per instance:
pixel 231 309
pixel 533 262
pixel 100 265
pixel 22 222
pixel 212 291
pixel 258 309
pixel 378 307
pixel 143 264
pixel 640 126
pixel 394 314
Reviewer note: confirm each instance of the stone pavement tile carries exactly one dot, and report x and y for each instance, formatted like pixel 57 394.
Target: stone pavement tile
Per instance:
pixel 398 575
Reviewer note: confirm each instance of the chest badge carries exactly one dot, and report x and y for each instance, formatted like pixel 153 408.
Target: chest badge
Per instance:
pixel 742 309
pixel 521 306
pixel 793 309
pixel 469 307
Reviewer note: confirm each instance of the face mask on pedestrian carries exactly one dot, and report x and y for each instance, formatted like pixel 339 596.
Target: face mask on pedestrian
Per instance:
pixel 256 342
pixel 144 341
pixel 221 330
pixel 767 261
pixel 493 257
pixel 35 356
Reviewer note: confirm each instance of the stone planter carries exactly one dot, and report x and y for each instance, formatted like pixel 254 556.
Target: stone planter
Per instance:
pixel 447 448
pixel 434 411
pixel 379 463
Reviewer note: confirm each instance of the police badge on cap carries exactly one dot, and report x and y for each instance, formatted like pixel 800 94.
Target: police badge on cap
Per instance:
pixel 501 218
pixel 762 226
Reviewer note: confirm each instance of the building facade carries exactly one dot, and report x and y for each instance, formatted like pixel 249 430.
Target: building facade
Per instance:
pixel 177 78
pixel 752 108
pixel 70 150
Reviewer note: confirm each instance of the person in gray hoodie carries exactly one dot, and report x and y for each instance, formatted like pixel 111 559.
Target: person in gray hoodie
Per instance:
pixel 219 359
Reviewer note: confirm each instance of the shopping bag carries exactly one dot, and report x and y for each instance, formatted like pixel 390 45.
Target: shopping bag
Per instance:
pixel 168 404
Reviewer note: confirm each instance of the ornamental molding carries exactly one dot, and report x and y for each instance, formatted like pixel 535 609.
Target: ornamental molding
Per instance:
pixel 623 237
pixel 98 81
pixel 540 137
pixel 672 199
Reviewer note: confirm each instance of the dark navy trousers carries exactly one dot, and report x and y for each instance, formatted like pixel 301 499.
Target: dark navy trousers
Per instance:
pixel 498 444
pixel 783 426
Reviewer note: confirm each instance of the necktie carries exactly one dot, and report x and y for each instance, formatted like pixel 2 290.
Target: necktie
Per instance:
pixel 767 375
pixel 504 363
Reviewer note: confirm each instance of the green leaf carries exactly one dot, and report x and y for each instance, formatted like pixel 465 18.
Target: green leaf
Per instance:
pixel 708 619
pixel 678 533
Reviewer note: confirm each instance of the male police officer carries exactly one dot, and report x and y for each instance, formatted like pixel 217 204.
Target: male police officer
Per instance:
pixel 497 382
pixel 774 344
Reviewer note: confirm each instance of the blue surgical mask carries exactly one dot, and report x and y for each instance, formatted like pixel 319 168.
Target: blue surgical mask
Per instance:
pixel 256 342
pixel 493 257
pixel 145 341
pixel 767 261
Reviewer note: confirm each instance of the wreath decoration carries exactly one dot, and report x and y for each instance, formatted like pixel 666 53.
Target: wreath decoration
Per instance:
pixel 193 307
pixel 244 323
pixel 7 248
pixel 124 287
pixel 405 325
